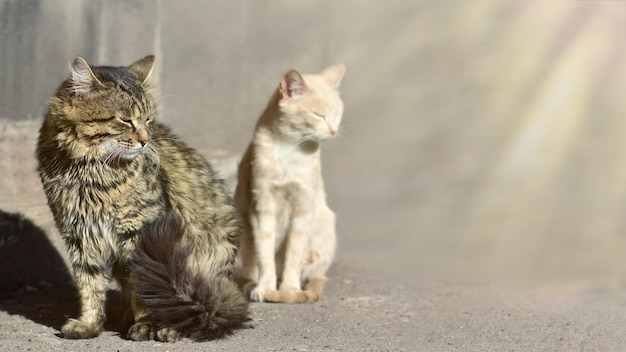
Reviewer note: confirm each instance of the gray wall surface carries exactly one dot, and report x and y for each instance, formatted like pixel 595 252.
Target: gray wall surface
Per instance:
pixel 480 137
pixel 39 38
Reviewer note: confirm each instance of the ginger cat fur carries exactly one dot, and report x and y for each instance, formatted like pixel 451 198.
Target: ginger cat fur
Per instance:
pixel 290 237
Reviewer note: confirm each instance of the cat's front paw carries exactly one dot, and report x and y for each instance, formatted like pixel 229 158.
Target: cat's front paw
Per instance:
pixel 76 329
pixel 257 293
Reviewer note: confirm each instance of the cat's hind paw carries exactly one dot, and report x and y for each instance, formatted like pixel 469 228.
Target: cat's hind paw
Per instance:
pixel 145 331
pixel 76 329
pixel 168 335
pixel 141 331
pixel 290 286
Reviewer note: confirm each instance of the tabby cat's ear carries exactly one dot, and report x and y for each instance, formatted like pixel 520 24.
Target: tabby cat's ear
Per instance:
pixel 83 80
pixel 334 74
pixel 292 86
pixel 143 68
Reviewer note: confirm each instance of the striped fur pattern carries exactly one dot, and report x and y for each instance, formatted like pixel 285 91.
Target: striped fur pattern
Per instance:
pixel 179 298
pixel 118 184
pixel 290 239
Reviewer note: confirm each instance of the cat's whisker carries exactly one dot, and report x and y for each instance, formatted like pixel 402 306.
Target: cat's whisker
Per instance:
pixel 306 138
pixel 102 158
pixel 164 139
pixel 115 155
pixel 163 110
pixel 157 99
pixel 154 158
pixel 341 131
pixel 111 155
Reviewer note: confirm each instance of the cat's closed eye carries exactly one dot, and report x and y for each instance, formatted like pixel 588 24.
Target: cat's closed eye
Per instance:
pixel 125 119
pixel 319 115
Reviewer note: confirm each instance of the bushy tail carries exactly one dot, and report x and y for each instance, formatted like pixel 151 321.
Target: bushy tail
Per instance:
pixel 195 306
pixel 311 293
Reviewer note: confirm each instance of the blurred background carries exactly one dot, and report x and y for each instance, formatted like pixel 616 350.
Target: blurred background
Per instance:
pixel 482 140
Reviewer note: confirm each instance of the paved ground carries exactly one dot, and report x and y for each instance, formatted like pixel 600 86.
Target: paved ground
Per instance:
pixel 366 307
pixel 362 312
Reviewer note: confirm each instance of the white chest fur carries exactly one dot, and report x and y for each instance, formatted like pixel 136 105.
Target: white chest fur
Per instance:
pixel 288 163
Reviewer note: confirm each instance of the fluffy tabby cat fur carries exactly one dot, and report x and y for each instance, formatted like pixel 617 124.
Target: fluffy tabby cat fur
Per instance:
pixel 134 204
pixel 280 193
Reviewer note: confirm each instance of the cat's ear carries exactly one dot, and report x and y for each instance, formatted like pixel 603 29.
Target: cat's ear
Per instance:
pixel 334 74
pixel 292 86
pixel 143 68
pixel 83 80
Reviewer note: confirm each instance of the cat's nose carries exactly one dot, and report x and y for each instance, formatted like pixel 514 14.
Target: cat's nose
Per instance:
pixel 143 137
pixel 333 132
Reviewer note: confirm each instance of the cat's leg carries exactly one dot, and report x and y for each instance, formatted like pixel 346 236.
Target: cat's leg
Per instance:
pixel 120 274
pixel 92 270
pixel 143 329
pixel 297 242
pixel 264 230
pixel 140 329
pixel 91 281
pixel 247 271
pixel 247 274
pixel 320 253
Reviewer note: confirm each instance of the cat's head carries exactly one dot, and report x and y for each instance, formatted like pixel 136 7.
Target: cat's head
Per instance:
pixel 310 105
pixel 104 112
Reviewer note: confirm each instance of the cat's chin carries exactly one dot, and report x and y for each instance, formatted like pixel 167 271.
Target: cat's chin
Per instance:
pixel 131 154
pixel 326 137
pixel 126 155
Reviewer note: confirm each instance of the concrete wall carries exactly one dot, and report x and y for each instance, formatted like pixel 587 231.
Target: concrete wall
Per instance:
pixel 481 137
pixel 39 38
pixel 217 60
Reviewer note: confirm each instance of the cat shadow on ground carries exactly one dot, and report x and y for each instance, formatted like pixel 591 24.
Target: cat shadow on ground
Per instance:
pixel 35 282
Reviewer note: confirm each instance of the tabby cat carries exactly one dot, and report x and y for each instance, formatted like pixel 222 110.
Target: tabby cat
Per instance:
pixel 280 192
pixel 134 204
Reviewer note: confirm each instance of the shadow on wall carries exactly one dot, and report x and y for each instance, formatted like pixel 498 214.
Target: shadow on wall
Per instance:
pixel 35 282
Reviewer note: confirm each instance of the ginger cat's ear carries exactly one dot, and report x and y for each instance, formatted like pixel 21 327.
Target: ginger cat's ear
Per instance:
pixel 292 86
pixel 334 74
pixel 143 68
pixel 83 80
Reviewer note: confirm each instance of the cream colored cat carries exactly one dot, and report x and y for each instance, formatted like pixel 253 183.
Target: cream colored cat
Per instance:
pixel 280 193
